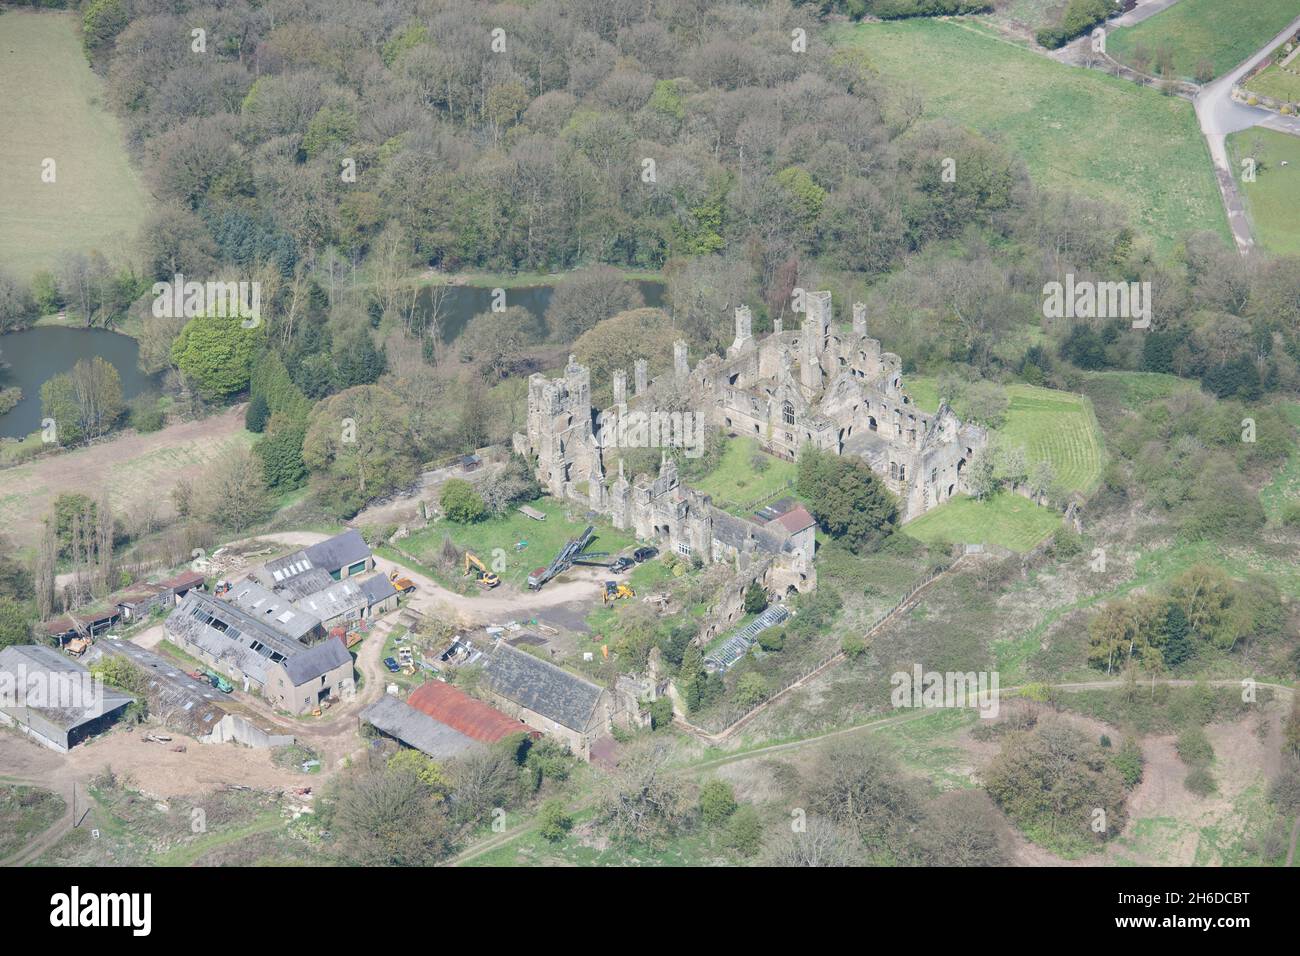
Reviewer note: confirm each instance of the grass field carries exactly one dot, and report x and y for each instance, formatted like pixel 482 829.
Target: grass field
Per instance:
pixel 1273 199
pixel 1005 519
pixel 1220 32
pixel 734 482
pixel 494 540
pixel 1059 427
pixel 1136 389
pixel 1279 83
pixel 96 200
pixel 1075 128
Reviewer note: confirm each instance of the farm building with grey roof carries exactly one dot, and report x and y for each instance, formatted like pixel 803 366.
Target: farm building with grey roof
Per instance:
pixel 53 699
pixel 547 698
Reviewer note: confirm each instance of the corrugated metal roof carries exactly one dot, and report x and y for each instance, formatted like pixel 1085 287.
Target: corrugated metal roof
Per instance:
pixel 417 729
pixel 273 609
pixel 63 688
pixel 471 717
pixel 184 580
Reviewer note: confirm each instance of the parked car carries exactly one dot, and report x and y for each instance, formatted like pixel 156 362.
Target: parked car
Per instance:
pixel 391 665
pixel 645 554
pixel 620 565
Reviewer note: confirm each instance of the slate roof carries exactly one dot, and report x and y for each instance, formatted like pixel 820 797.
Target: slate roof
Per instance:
pixel 273 609
pixel 541 687
pixel 64 681
pixel 416 729
pixel 331 555
pixel 338 552
pixel 457 709
pixel 377 589
pixel 312 663
pixel 736 533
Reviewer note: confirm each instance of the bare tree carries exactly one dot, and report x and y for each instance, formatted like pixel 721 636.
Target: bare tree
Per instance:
pixel 818 843
pixel 643 803
pixel 46 559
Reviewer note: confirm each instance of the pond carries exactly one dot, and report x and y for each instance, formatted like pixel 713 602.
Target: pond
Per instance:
pixel 33 356
pixel 462 302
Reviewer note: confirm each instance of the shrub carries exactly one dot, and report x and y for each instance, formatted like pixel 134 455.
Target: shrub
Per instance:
pixel 1080 17
pixel 661 713
pixel 1194 747
pixel 755 599
pixel 461 503
pixel 745 831
pixel 1201 782
pixel 717 802
pixel 146 416
pixel 555 821
pixel 751 689
pixel 1128 760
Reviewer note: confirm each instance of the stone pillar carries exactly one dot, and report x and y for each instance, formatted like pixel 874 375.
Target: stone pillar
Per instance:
pixel 620 387
pixel 860 319
pixel 776 326
pixel 639 375
pixel 681 370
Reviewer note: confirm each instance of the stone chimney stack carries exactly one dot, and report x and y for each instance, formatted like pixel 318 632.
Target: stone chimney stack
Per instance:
pixel 681 370
pixel 639 375
pixel 860 319
pixel 620 387
pixel 744 328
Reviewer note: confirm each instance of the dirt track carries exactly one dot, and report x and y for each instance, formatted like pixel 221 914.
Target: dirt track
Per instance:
pixel 501 605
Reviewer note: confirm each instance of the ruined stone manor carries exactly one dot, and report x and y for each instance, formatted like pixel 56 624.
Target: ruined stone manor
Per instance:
pixel 816 385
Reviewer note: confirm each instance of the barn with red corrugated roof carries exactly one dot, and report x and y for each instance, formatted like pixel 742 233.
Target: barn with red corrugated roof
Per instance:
pixel 471 717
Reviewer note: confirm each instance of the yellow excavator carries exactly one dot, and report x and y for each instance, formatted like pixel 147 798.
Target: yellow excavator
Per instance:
pixel 483 577
pixel 614 590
